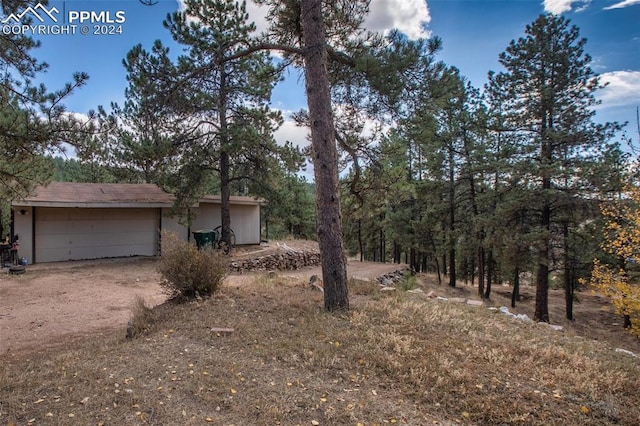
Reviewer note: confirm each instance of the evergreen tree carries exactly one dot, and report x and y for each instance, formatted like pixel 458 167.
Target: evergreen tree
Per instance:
pixel 290 210
pixel 141 137
pixel 32 119
pixel 72 170
pixel 213 104
pixel 546 95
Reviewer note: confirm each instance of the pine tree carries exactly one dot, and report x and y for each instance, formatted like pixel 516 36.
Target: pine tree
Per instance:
pixel 208 111
pixel 546 95
pixel 32 119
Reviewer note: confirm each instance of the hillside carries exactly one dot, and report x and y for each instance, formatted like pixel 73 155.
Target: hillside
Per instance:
pixel 264 352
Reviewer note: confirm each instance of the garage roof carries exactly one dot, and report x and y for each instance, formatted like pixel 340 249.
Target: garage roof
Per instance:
pixel 75 194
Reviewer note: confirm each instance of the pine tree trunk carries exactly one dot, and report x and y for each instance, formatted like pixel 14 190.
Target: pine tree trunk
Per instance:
pixel 487 290
pixel 412 257
pixel 325 158
pixel 452 222
pixel 444 264
pixel 452 267
pixel 542 277
pixel 515 294
pixel 481 271
pixel 568 275
pixel 225 199
pixel 225 185
pixel 397 252
pixel 473 271
pixel 360 243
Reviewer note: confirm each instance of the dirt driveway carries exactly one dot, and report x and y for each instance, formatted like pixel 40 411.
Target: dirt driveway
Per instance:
pixel 54 302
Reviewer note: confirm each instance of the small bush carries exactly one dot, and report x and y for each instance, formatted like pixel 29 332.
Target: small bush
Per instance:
pixel 189 272
pixel 141 318
pixel 409 281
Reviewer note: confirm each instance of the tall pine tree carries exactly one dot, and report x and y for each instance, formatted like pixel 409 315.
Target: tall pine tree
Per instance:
pixel 216 100
pixel 546 95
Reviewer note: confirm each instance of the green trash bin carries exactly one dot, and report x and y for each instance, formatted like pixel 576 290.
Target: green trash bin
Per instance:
pixel 204 237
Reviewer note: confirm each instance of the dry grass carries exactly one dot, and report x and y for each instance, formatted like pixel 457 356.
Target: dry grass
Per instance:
pixel 142 318
pixel 395 358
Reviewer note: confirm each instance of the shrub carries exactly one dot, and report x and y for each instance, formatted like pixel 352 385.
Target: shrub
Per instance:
pixel 622 240
pixel 409 281
pixel 189 272
pixel 141 318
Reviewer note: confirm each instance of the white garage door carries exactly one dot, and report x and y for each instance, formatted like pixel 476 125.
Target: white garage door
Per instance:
pixel 79 233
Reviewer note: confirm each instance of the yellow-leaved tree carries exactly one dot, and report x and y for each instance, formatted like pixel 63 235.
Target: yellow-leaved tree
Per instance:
pixel 622 240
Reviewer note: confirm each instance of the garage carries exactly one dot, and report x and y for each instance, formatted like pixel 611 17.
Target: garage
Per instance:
pixel 75 221
pixel 75 234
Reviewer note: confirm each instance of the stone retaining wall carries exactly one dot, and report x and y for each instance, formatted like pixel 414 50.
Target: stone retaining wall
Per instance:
pixel 393 278
pixel 285 261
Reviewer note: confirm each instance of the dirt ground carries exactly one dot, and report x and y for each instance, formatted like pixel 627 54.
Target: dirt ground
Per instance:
pixel 53 303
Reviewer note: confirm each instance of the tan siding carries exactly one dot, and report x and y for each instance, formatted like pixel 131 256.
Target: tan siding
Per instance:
pixel 22 227
pixel 245 222
pixel 208 217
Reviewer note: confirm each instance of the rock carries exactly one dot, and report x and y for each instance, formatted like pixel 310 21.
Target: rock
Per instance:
pixel 626 352
pixel 505 311
pixel 475 302
pixel 387 282
pixel 523 317
pixel 392 278
pixel 388 289
pixel 556 327
pixel 458 300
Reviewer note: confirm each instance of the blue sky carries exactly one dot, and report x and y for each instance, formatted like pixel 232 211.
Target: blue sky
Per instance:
pixel 474 32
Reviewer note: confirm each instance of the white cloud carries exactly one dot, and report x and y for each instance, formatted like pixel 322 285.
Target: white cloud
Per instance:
pixel 622 4
pixel 560 6
pixel 409 16
pixel 258 14
pixel 290 132
pixel 623 88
